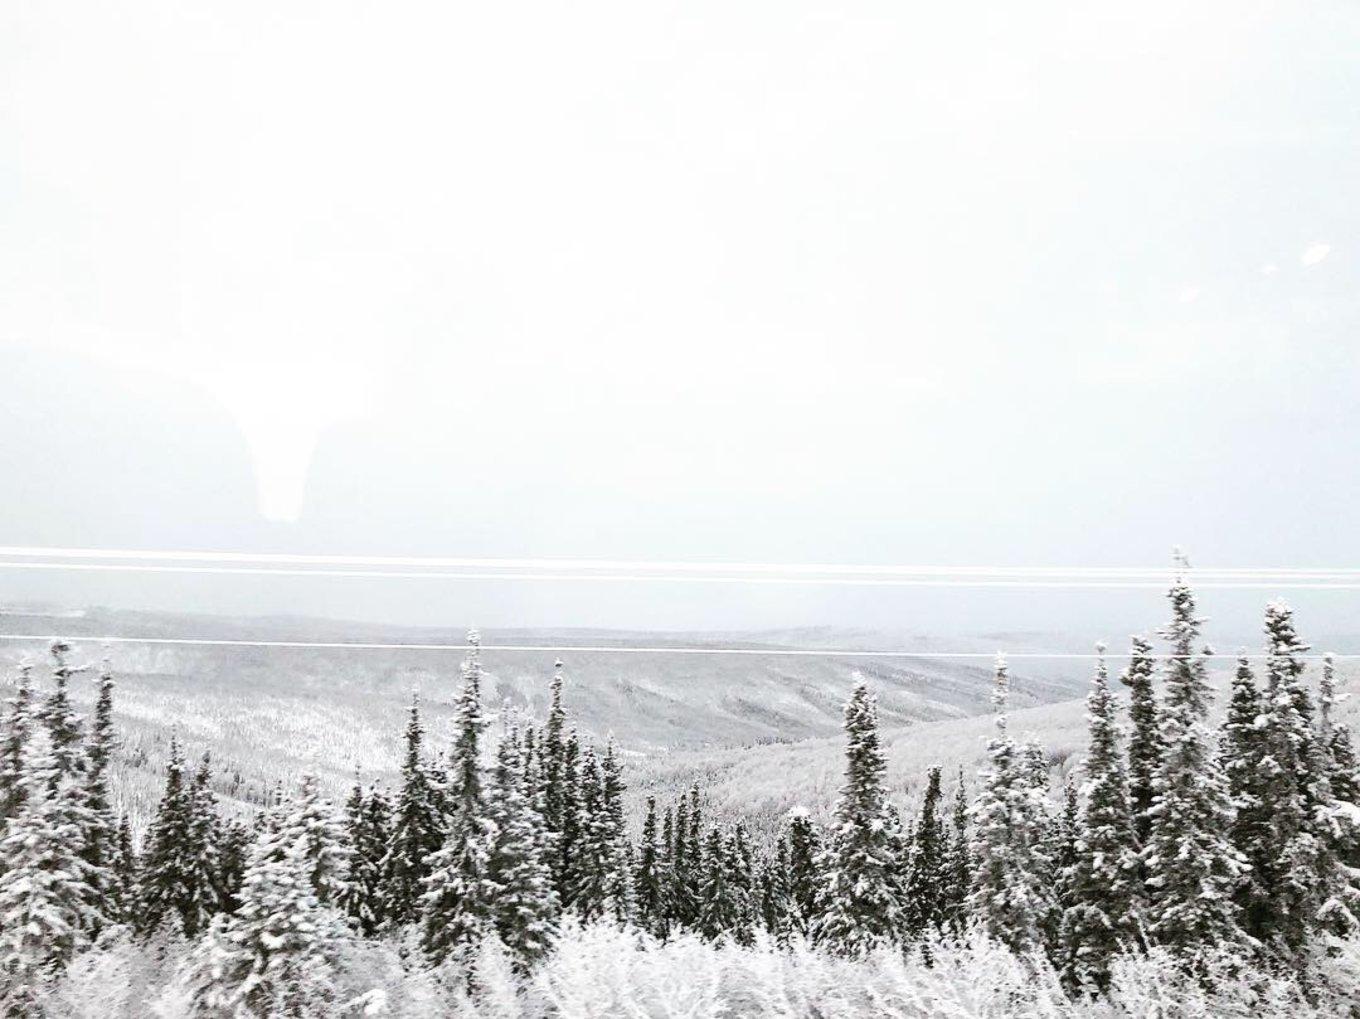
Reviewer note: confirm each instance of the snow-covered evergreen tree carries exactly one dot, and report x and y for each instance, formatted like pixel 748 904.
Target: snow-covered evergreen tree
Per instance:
pixel 1243 751
pixel 1343 771
pixel 233 841
pixel 277 955
pixel 458 903
pixel 1145 736
pixel 741 856
pixel 46 902
pixel 725 908
pixel 1102 882
pixel 650 880
pixel 417 831
pixel 100 836
pixel 523 900
pixel 14 738
pixel 925 884
pixel 775 898
pixel 571 821
pixel 125 863
pixel 1191 865
pixel 682 898
pixel 589 863
pixel 464 788
pixel 616 853
pixel 1008 897
pixel 178 865
pixel 556 798
pixel 1066 833
pixel 1047 839
pixel 368 823
pixel 1298 871
pixel 958 871
pixel 805 878
pixel 327 847
pixel 860 903
pixel 59 716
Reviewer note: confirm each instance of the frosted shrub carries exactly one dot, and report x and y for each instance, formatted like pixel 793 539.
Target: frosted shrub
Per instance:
pixel 112 977
pixel 599 971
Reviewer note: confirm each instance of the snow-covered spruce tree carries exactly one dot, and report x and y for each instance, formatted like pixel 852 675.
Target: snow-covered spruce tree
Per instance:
pixel 1299 873
pixel 1067 831
pixel 417 831
pixel 616 851
pixel 277 954
pixel 1046 841
pixel 957 879
pixel 588 866
pixel 925 884
pixel 327 847
pixel 1008 897
pixel 464 787
pixel 205 827
pixel 1102 882
pixel 523 900
pixel 725 909
pixel 59 716
pixel 1242 749
pixel 742 863
pixel 805 879
pixel 369 823
pixel 177 881
pixel 544 838
pixel 1191 865
pixel 681 899
pixel 458 903
pixel 1343 773
pixel 233 849
pixel 13 739
pixel 125 862
pixel 46 902
pixel 1145 736
pixel 650 879
pixel 666 867
pixel 860 901
pixel 1062 856
pixel 100 837
pixel 775 902
pixel 553 751
pixel 570 819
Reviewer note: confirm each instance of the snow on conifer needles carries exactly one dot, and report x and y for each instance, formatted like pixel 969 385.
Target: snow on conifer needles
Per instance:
pixel 1195 869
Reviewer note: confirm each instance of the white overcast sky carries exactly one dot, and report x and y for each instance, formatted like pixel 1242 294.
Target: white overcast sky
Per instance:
pixel 872 282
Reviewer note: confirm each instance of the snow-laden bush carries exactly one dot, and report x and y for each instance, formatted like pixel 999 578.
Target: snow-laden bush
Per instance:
pixel 598 971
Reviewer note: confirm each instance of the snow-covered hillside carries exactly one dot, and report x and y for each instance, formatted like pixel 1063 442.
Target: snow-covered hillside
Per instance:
pixel 267 713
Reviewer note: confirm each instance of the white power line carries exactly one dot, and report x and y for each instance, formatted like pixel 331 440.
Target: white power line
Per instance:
pixel 1282 583
pixel 634 567
pixel 627 649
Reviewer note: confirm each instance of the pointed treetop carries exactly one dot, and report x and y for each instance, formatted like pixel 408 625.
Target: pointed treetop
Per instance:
pixel 1001 687
pixel 1327 695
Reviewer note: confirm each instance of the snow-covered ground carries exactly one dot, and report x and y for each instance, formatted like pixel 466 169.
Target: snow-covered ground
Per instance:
pixel 267 714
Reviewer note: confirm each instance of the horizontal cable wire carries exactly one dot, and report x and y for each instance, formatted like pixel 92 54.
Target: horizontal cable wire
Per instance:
pixel 632 567
pixel 1281 584
pixel 635 650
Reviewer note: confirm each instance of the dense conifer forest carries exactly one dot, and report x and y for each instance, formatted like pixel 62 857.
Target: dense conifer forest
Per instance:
pixel 1194 867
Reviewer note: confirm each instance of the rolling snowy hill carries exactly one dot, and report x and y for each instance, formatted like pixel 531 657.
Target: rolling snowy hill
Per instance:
pixel 270 713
